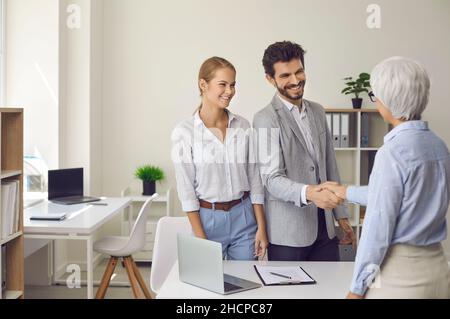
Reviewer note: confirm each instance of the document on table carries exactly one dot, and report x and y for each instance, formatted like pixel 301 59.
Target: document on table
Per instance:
pixel 283 275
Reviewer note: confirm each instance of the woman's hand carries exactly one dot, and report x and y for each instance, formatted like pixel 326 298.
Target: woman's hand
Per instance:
pixel 196 224
pixel 261 243
pixel 351 295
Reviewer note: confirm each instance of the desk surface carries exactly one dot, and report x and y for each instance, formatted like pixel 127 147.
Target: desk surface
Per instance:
pixel 81 218
pixel 333 282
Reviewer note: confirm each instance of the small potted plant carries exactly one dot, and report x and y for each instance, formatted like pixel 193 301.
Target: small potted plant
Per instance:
pixel 356 87
pixel 149 175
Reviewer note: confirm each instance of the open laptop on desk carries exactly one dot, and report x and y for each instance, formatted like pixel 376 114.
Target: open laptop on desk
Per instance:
pixel 65 186
pixel 200 264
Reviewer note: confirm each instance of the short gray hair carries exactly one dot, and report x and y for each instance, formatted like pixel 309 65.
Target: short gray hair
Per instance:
pixel 403 86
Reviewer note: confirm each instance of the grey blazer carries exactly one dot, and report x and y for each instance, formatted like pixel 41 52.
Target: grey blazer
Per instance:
pixel 289 222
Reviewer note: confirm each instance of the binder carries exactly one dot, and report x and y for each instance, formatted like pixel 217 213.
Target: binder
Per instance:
pixel 329 122
pixel 345 129
pixel 364 130
pixel 336 122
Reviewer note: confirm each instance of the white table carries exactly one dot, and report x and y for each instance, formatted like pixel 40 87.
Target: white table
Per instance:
pixel 80 224
pixel 333 282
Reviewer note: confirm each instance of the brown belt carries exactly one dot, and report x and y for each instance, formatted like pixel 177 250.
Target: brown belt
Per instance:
pixel 226 206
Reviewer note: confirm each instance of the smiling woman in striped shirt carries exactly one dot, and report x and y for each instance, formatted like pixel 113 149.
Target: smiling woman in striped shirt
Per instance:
pixel 218 181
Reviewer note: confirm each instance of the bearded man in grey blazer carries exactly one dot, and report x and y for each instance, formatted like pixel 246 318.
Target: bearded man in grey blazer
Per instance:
pixel 299 211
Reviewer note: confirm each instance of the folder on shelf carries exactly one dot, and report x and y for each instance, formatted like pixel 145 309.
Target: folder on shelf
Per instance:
pixel 9 211
pixel 329 122
pixel 364 130
pixel 336 123
pixel 283 275
pixel 345 129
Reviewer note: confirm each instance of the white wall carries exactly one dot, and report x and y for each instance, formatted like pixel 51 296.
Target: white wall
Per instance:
pixel 153 50
pixel 32 72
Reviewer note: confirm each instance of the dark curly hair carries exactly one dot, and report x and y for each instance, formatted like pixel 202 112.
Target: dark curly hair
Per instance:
pixel 281 52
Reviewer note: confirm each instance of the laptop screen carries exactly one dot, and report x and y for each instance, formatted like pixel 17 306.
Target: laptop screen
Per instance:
pixel 65 182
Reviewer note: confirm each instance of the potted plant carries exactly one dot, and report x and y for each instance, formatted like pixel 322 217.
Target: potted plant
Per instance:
pixel 356 87
pixel 149 175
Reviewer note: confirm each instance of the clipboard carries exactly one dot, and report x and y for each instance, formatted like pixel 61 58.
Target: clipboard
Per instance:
pixel 285 282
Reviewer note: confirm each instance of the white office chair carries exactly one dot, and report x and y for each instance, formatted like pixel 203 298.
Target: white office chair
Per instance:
pixel 165 249
pixel 123 247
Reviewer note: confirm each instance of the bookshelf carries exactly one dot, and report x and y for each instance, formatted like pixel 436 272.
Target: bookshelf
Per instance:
pixel 355 162
pixel 11 164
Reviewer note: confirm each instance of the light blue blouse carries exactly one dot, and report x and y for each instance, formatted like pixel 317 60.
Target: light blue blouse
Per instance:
pixel 407 197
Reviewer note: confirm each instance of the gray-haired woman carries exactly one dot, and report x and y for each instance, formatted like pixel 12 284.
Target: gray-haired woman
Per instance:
pixel 407 197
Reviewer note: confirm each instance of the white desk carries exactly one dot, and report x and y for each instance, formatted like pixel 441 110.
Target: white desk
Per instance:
pixel 80 224
pixel 333 282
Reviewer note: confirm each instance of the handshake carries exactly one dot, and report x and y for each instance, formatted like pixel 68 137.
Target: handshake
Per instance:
pixel 328 195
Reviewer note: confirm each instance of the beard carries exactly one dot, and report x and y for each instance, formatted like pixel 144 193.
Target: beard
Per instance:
pixel 284 91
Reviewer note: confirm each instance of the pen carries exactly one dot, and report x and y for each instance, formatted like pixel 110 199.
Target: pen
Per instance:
pixel 280 275
pixel 98 204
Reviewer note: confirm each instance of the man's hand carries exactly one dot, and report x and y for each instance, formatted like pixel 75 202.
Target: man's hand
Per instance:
pixel 337 189
pixel 354 296
pixel 349 235
pixel 323 198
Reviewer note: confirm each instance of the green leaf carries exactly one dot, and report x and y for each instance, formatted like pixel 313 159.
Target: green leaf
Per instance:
pixel 346 79
pixel 350 83
pixel 365 76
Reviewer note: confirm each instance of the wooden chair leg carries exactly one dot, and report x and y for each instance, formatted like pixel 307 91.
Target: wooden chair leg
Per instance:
pixel 140 279
pixel 106 278
pixel 132 277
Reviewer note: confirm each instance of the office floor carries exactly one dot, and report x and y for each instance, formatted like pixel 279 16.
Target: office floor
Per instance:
pixel 61 291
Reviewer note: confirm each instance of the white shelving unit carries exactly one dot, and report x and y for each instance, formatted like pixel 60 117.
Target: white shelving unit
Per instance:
pixel 355 162
pixel 156 213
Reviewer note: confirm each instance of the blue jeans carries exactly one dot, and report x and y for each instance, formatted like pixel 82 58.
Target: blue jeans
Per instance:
pixel 235 230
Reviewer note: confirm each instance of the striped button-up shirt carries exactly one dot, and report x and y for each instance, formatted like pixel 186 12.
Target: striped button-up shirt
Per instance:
pixel 207 168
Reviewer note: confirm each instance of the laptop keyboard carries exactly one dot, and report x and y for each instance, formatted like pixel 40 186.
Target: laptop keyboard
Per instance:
pixel 230 287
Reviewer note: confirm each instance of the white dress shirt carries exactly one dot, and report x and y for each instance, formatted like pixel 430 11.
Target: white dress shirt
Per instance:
pixel 207 168
pixel 301 118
